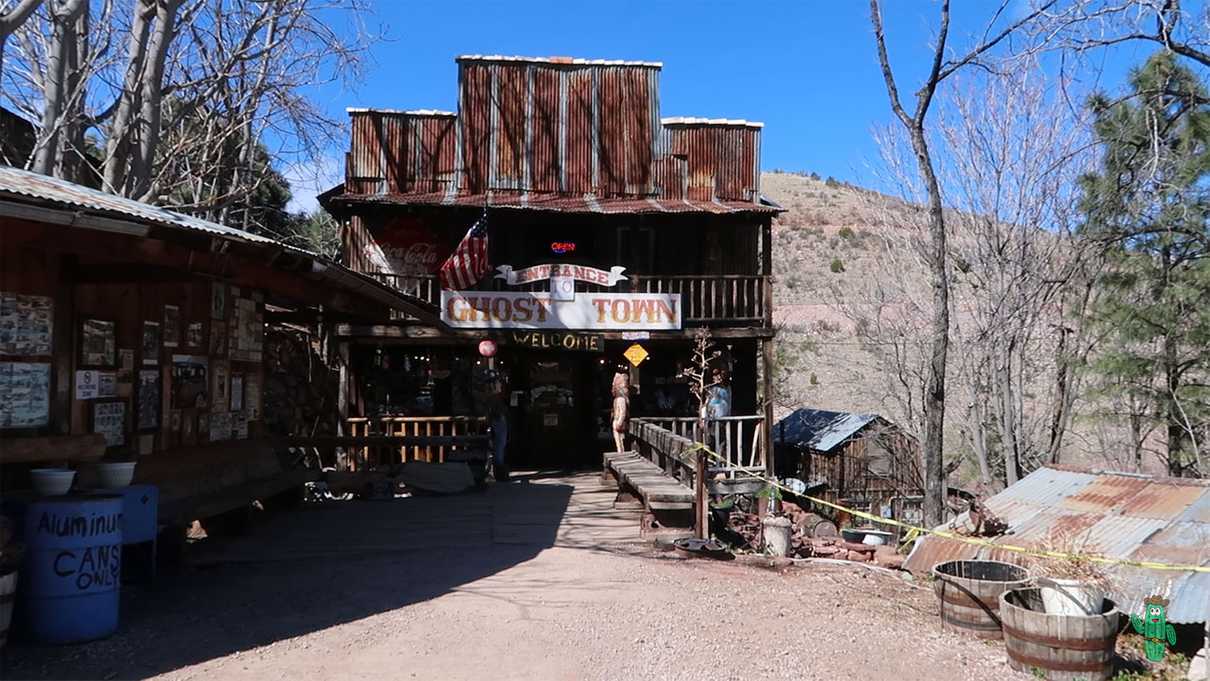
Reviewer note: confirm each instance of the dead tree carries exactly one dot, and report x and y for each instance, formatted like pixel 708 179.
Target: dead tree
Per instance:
pixel 11 19
pixel 698 373
pixel 914 125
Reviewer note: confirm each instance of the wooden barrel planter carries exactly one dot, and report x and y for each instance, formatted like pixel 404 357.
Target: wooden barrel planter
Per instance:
pixel 969 592
pixel 1060 647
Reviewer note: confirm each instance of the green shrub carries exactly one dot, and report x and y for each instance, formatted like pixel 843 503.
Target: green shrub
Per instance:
pixel 846 233
pixel 837 265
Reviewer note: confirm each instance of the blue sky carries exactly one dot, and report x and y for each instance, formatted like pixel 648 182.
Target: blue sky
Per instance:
pixel 808 70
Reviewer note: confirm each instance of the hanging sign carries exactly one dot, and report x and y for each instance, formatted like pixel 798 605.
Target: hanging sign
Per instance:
pixel 553 340
pixel 636 354
pixel 590 310
pixel 583 273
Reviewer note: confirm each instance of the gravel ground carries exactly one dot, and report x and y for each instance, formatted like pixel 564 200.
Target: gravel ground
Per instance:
pixel 539 579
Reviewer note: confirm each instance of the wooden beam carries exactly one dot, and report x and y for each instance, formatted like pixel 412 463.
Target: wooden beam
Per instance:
pixel 130 274
pixel 55 448
pixel 386 441
pixel 429 333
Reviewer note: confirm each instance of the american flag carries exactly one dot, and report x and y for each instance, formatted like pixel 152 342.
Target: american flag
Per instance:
pixel 468 263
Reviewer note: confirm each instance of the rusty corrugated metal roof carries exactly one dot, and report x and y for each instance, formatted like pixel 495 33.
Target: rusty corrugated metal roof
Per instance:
pixel 47 195
pixel 564 204
pixel 555 134
pixel 1117 515
pixel 571 61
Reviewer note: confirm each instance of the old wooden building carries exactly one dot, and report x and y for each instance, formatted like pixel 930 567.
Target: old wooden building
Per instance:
pixel 650 228
pixel 131 332
pixel 862 461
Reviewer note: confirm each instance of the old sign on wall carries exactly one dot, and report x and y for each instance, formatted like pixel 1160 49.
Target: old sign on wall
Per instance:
pixel 410 247
pixel 591 310
pixel 551 340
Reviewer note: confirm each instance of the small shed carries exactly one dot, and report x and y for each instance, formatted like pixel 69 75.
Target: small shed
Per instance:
pixel 860 460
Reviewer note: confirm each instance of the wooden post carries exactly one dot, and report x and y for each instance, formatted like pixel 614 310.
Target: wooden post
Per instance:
pixel 766 358
pixel 701 520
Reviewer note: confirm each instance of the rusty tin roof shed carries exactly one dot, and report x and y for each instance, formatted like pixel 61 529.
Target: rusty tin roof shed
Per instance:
pixel 556 134
pixel 1118 515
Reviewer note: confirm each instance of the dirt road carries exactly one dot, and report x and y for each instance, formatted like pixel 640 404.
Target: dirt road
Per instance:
pixel 538 579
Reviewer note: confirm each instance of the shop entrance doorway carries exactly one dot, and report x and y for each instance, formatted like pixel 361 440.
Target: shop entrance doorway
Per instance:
pixel 553 410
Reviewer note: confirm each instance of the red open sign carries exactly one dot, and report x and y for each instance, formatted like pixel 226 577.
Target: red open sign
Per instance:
pixel 562 247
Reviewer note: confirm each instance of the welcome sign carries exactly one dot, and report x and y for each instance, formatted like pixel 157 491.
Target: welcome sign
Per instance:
pixel 595 311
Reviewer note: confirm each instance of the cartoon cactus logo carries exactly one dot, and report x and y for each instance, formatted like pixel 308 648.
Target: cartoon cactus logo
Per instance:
pixel 1154 627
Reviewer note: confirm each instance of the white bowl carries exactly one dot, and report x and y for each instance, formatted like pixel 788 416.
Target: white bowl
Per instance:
pixel 115 475
pixel 52 482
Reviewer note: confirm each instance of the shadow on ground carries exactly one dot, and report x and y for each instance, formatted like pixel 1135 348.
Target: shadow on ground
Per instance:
pixel 303 571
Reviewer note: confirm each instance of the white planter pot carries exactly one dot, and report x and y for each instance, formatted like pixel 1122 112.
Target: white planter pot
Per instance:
pixel 51 482
pixel 115 475
pixel 1071 597
pixel 776 531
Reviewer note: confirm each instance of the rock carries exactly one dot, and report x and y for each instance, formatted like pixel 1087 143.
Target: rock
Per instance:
pixel 858 556
pixel 889 560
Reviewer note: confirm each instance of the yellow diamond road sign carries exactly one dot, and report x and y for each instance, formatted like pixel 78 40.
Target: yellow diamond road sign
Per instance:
pixel 636 354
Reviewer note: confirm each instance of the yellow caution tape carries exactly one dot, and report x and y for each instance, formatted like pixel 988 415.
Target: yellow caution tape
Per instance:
pixel 915 531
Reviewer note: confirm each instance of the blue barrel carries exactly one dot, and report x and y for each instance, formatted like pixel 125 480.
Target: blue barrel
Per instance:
pixel 73 568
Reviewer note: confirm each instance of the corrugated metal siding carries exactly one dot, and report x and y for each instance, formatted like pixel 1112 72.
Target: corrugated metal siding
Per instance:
pixel 1045 487
pixel 474 121
pixel 400 152
pixel 559 129
pixel 1119 516
pixel 723 159
pixel 1105 493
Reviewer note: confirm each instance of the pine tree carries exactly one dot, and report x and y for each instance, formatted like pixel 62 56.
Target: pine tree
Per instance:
pixel 1149 203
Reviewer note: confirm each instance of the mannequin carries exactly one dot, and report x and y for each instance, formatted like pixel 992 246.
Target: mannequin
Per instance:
pixel 621 405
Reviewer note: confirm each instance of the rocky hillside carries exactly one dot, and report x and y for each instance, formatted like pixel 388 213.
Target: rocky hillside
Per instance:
pixel 823 243
pixel 832 249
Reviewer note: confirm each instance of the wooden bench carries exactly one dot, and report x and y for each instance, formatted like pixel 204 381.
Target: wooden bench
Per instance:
pixel 197 483
pixel 666 502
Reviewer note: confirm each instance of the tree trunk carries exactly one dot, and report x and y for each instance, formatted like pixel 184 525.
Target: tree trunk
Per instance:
pixel 121 130
pixel 1058 420
pixel 70 162
pixel 1008 429
pixel 1175 421
pixel 152 98
pixel 934 391
pixel 63 54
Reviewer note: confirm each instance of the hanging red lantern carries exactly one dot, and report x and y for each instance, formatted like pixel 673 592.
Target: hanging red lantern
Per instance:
pixel 487 348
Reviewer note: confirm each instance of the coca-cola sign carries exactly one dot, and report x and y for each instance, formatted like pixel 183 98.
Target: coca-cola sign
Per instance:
pixel 410 247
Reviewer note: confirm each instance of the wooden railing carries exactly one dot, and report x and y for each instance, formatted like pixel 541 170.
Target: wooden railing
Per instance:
pixel 682 459
pixel 705 298
pixel 714 297
pixel 410 427
pixel 673 453
pixel 738 439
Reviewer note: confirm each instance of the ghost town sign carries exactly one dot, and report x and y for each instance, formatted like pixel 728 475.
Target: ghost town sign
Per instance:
pixel 595 311
pixel 553 340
